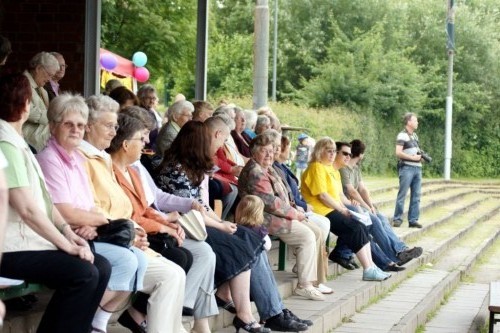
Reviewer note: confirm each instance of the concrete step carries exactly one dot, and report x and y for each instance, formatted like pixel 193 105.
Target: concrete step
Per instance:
pixel 406 307
pixel 459 312
pixel 352 294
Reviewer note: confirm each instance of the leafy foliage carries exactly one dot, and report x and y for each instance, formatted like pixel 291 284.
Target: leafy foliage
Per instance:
pixel 372 60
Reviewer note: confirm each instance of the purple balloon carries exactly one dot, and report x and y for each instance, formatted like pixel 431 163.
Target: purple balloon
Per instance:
pixel 108 61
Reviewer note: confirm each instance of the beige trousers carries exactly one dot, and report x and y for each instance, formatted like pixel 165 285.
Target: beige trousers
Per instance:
pixel 164 281
pixel 307 240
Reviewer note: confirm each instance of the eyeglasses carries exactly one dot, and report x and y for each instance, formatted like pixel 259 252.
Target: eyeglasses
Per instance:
pixel 187 115
pixel 48 73
pixel 331 151
pixel 151 98
pixel 69 125
pixel 111 126
pixel 267 151
pixel 346 153
pixel 142 139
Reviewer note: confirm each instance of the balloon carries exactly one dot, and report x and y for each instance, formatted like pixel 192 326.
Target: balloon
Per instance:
pixel 141 74
pixel 139 59
pixel 108 61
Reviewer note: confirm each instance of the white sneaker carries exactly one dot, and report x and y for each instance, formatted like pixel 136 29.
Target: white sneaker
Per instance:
pixel 324 289
pixel 310 293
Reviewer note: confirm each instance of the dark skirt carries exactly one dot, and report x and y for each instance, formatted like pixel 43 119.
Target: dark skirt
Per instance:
pixel 234 253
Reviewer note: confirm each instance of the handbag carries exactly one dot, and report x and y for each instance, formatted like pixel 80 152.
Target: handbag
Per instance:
pixel 159 242
pixel 193 225
pixel 119 232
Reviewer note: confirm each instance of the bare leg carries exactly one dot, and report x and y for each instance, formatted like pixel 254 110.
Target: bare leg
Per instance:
pixel 201 326
pixel 240 290
pixel 364 256
pixel 224 292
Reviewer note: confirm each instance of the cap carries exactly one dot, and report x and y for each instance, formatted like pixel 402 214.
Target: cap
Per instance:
pixel 303 136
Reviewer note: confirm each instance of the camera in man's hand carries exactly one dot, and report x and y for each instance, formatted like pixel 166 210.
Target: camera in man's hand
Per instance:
pixel 426 157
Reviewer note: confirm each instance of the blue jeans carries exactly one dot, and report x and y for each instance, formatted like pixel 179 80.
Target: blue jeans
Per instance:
pixel 410 177
pixel 263 288
pixel 396 244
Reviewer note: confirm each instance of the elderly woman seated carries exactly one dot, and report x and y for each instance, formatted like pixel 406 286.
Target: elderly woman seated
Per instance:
pixel 164 307
pixel 42 67
pixel 282 219
pixel 322 188
pixel 68 184
pixel 39 245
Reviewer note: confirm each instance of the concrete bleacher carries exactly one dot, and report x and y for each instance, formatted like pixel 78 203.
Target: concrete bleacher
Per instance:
pixel 445 290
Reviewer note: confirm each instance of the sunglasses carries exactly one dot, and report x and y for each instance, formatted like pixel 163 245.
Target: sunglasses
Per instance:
pixel 346 153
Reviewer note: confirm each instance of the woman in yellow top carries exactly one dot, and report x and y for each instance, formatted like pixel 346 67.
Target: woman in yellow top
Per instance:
pixel 322 187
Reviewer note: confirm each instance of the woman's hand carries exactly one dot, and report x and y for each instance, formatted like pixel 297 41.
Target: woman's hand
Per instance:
pixel 86 232
pixel 174 233
pixel 198 206
pixel 172 216
pixel 82 250
pixel 141 239
pixel 301 216
pixel 229 227
pixel 344 211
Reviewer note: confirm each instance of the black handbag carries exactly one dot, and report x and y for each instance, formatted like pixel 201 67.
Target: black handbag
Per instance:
pixel 159 242
pixel 119 232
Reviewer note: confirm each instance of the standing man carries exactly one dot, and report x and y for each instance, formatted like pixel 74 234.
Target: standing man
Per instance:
pixel 410 172
pixel 52 86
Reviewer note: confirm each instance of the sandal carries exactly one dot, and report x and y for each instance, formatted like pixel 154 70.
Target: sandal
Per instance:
pixel 228 306
pixel 97 330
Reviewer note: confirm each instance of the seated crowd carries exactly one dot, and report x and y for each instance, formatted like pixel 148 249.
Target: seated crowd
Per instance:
pixel 75 165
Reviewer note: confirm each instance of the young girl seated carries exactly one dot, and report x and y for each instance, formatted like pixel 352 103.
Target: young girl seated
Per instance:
pixel 250 213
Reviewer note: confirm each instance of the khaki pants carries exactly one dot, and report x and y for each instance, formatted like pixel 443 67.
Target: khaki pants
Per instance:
pixel 307 240
pixel 164 281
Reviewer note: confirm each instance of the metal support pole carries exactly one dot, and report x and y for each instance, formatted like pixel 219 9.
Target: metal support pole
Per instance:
pixel 275 49
pixel 91 74
pixel 450 45
pixel 201 51
pixel 449 117
pixel 261 54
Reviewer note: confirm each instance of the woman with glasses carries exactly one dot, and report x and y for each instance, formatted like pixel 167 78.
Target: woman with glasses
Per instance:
pixel 148 99
pixel 321 187
pixel 281 219
pixel 68 184
pixel 41 68
pixel 164 306
pixel 40 247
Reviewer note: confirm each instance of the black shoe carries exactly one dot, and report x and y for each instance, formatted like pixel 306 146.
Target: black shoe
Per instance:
pixel 415 225
pixel 396 223
pixel 238 323
pixel 127 321
pixel 394 268
pixel 409 254
pixel 228 306
pixel 291 315
pixel 341 261
pixel 354 263
pixel 19 304
pixel 187 312
pixel 282 323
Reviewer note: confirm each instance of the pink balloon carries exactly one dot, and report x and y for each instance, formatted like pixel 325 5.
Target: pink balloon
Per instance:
pixel 108 61
pixel 141 74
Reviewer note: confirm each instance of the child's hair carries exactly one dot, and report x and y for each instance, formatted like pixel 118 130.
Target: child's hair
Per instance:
pixel 250 211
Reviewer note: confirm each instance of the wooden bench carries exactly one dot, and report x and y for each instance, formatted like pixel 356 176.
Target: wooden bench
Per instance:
pixel 283 252
pixel 20 290
pixel 494 304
